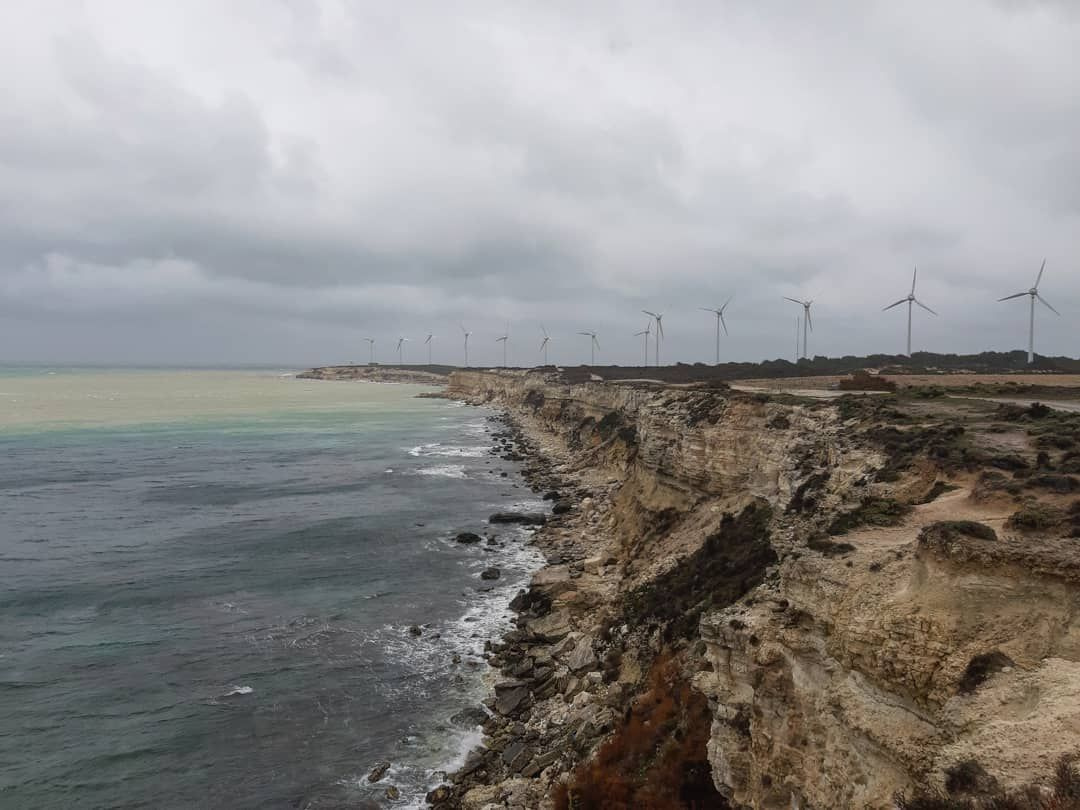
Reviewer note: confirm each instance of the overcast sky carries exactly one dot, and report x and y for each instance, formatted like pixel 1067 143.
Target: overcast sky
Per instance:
pixel 275 180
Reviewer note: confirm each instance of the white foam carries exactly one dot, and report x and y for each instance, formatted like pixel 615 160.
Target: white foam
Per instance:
pixel 437 449
pixel 444 471
pixel 238 690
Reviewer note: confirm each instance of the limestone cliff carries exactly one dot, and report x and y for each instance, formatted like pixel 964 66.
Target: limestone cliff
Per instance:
pixel 869 593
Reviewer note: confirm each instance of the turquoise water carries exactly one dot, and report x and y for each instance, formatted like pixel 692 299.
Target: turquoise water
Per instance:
pixel 207 580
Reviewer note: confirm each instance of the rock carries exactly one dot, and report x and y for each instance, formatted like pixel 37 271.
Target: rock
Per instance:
pixel 552 495
pixel 468 538
pixel 516 756
pixel 489 573
pixel 470 717
pixel 392 793
pixel 553 627
pixel 415 630
pixel 539 763
pixel 528 518
pixel 480 797
pixel 378 772
pixel 561 507
pixel 510 700
pixel 439 795
pixel 582 656
pixel 592 565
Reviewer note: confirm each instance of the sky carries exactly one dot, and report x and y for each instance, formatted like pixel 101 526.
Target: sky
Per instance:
pixel 272 181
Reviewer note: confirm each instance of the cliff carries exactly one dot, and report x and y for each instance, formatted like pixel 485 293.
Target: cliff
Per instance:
pixel 868 597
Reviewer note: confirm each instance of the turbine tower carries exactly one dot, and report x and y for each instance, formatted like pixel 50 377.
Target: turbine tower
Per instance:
pixel 504 338
pixel 911 299
pixel 594 344
pixel 466 333
pixel 544 343
pixel 659 318
pixel 719 320
pixel 646 332
pixel 806 319
pixel 427 342
pixel 401 341
pixel 371 350
pixel 1034 293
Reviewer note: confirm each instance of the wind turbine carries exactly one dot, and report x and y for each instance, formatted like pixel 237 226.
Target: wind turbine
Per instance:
pixel 797 325
pixel 544 343
pixel 646 332
pixel 504 339
pixel 427 342
pixel 466 333
pixel 401 341
pixel 594 344
pixel 371 348
pixel 806 318
pixel 1034 293
pixel 659 318
pixel 719 320
pixel 911 299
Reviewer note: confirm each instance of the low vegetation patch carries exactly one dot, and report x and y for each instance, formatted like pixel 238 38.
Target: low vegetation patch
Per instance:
pixel 657 757
pixel 946 530
pixel 873 511
pixel 1036 517
pixel 1062 794
pixel 830 548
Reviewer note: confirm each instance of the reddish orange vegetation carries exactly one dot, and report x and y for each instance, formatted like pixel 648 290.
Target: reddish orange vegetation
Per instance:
pixel 656 758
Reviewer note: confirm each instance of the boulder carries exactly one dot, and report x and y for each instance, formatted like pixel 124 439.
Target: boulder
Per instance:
pixel 439 795
pixel 509 696
pixel 392 793
pixel 470 717
pixel 489 573
pixel 415 630
pixel 378 772
pixel 553 627
pixel 468 537
pixel 582 656
pixel 561 507
pixel 527 518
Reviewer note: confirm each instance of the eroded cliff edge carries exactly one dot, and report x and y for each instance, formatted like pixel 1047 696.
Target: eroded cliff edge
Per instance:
pixel 874 596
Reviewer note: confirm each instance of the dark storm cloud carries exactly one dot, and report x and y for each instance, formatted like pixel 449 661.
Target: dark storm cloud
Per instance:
pixel 274 181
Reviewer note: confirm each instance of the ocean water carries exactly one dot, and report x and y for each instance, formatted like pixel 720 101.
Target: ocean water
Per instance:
pixel 207 580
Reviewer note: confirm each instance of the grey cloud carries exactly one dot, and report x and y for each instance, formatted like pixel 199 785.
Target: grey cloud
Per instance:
pixel 274 181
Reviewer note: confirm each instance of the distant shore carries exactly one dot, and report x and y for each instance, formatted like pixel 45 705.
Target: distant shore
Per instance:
pixel 423 375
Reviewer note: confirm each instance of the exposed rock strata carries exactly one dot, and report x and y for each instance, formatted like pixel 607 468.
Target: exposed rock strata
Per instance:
pixel 695 533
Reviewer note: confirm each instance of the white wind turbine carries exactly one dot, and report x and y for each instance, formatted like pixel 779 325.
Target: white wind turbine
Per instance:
pixel 427 342
pixel 1034 293
pixel 504 338
pixel 594 344
pixel 911 299
pixel 659 318
pixel 646 332
pixel 544 343
pixel 719 320
pixel 806 318
pixel 466 333
pixel 371 349
pixel 401 341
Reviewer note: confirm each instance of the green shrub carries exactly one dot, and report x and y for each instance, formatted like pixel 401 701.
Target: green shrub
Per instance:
pixel 873 511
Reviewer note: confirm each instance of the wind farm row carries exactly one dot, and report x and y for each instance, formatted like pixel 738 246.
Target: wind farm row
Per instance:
pixel 654 328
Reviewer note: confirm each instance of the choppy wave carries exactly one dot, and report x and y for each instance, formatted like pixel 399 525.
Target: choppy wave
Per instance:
pixel 444 470
pixel 438 449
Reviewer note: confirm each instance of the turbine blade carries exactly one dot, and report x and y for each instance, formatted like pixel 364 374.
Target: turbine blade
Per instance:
pixel 924 306
pixel 1039 278
pixel 1047 304
pixel 706 309
pixel 597 342
pixel 1017 295
pixel 898 303
pixel 650 314
pixel 793 300
pixel 809 320
pixel 722 323
pixel 913 275
pixel 729 300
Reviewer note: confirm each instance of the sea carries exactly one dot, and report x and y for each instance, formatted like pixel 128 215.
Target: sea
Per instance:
pixel 210 580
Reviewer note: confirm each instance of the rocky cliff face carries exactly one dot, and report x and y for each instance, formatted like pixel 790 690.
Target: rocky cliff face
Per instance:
pixel 847 584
